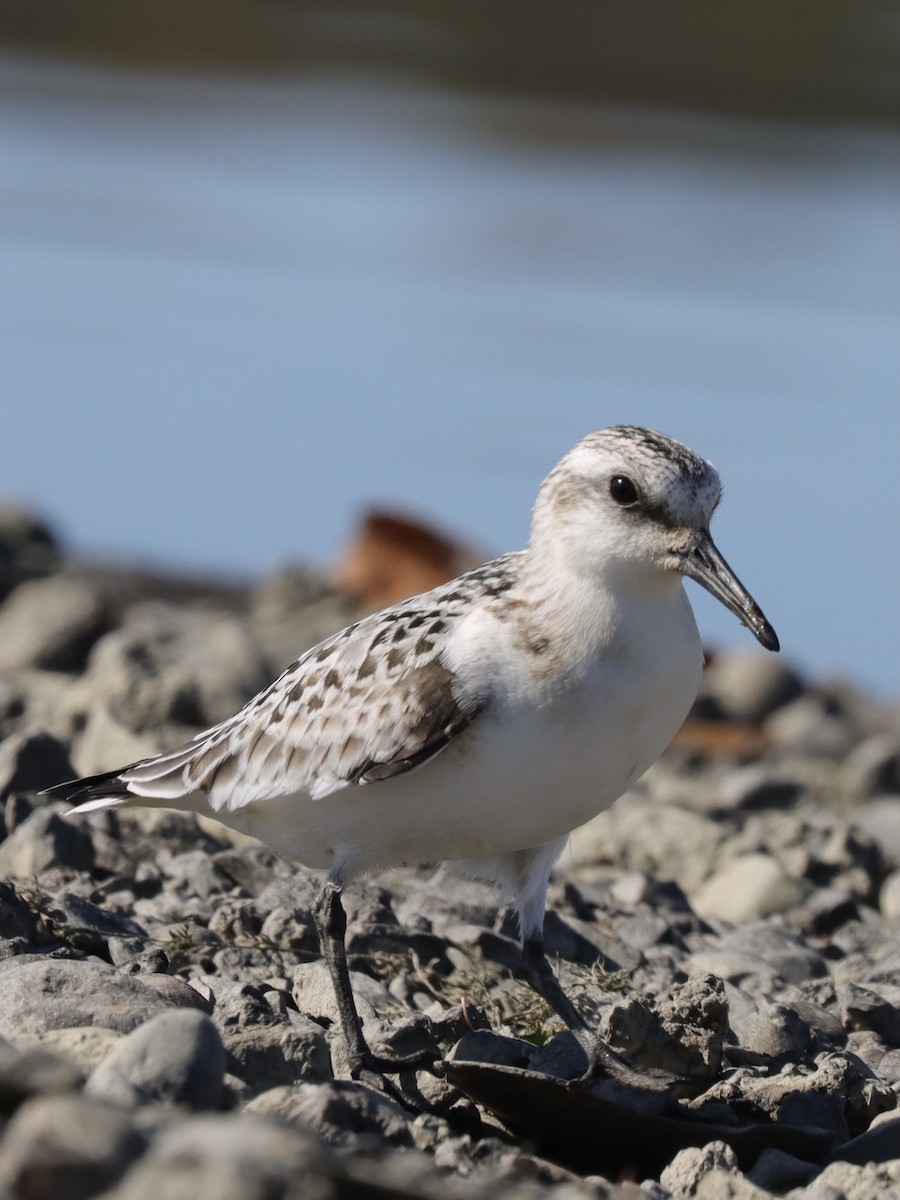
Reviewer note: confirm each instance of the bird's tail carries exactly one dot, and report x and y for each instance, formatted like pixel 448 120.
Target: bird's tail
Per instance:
pixel 94 792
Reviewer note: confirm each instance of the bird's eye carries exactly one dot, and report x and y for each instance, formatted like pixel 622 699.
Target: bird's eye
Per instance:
pixel 622 490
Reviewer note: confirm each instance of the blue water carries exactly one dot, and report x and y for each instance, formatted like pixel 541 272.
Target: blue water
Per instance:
pixel 233 314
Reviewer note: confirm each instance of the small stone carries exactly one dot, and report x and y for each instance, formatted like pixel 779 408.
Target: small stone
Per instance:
pixel 59 994
pixel 810 726
pixel 16 918
pixel 748 686
pixel 52 624
pixel 177 991
pixel 66 1148
pixel 683 1174
pixel 83 1046
pixel 747 888
pixel 483 1046
pixel 766 1028
pixel 343 1114
pixel 880 820
pixel 176 1058
pixel 313 994
pixel 268 1056
pixel 43 841
pixel 776 949
pixel 226 1158
pixel 852 1181
pixel 30 762
pixel 757 788
pixel 30 1071
pixel 560 1056
pixel 776 1171
pixel 196 874
pixel 862 1008
pixel 28 548
pixel 873 767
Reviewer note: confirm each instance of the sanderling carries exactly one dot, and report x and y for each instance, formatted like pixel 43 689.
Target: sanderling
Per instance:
pixel 478 724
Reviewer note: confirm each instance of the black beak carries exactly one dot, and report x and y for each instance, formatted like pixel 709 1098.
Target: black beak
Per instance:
pixel 702 561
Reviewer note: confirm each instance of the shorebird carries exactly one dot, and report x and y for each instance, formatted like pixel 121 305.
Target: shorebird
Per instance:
pixel 478 724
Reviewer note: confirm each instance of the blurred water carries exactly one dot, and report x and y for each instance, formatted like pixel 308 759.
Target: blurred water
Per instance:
pixel 231 314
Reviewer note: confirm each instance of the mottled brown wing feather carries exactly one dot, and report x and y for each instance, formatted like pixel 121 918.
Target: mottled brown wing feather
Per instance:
pixel 370 703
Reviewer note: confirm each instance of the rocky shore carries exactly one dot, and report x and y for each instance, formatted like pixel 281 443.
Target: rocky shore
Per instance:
pixel 167 1029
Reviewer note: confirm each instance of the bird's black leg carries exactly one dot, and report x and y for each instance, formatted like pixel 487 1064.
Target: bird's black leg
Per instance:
pixel 331 924
pixel 536 971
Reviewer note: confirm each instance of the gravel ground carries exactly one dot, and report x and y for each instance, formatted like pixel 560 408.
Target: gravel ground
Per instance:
pixel 167 1029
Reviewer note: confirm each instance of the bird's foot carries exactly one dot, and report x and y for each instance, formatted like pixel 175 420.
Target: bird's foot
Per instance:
pixel 605 1063
pixel 374 1070
pixel 382 1064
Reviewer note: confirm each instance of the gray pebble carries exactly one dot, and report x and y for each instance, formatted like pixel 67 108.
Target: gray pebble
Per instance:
pixel 32 761
pixel 42 841
pixel 227 1158
pixel 748 686
pixel 51 624
pixel 343 1114
pixel 683 1174
pixel 59 994
pixel 66 1148
pixel 269 1056
pixel 176 1058
pixel 31 1071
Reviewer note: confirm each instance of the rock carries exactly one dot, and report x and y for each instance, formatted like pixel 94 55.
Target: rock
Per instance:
pixel 83 1046
pixel 487 1047
pixel 66 1148
pixel 30 762
pixel 293 610
pixel 879 819
pixel 313 993
pixel 28 548
pixel 825 911
pixel 27 1071
pixel 343 1114
pixel 750 789
pixel 194 873
pixel 619 835
pixel 683 1174
pixel 768 1029
pixel 179 992
pixel 747 888
pixel 848 1181
pixel 175 1057
pixel 879 1143
pixel 59 994
pixel 873 767
pixel 560 1056
pixel 88 926
pixel 42 841
pixel 229 1158
pixel 52 624
pixel 865 1009
pixel 747 686
pixel 180 665
pixel 767 949
pixel 269 1056
pixel 889 896
pixel 776 1171
pixel 811 726
pixel 105 742
pixel 16 918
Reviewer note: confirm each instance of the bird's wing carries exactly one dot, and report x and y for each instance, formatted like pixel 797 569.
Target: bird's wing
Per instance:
pixel 374 701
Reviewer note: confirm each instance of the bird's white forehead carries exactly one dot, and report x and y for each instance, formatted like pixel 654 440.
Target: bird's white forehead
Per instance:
pixel 670 472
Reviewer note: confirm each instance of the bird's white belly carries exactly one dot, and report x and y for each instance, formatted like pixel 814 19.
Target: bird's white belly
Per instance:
pixel 520 776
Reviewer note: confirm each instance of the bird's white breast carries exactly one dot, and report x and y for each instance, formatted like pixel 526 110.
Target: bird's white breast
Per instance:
pixel 538 762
